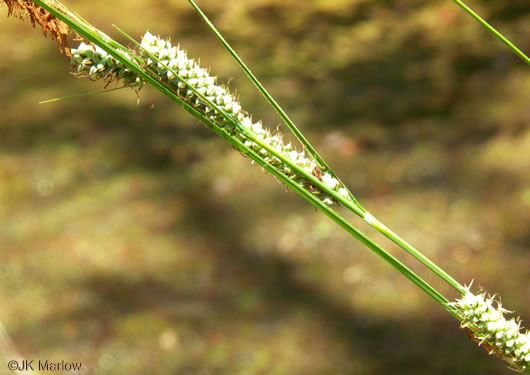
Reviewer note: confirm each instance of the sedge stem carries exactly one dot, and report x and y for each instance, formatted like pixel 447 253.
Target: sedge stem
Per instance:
pixel 492 30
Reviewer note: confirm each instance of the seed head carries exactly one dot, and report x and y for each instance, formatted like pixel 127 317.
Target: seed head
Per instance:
pixel 37 15
pixel 95 63
pixel 483 318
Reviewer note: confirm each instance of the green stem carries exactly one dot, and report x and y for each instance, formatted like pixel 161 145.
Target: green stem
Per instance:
pixel 357 209
pixel 365 215
pixel 105 45
pixel 375 248
pixel 286 119
pixel 353 207
pixel 492 30
pixel 83 94
pixel 370 219
pixel 310 149
pixel 105 42
pixel 356 206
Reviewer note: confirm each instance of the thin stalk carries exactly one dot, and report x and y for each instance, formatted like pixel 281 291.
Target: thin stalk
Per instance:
pixel 492 30
pixel 383 229
pixel 286 119
pixel 367 217
pixel 83 94
pixel 328 211
pixel 251 135
pixel 102 40
pixel 354 208
pixel 96 38
pixel 333 215
pixel 113 48
pixel 387 257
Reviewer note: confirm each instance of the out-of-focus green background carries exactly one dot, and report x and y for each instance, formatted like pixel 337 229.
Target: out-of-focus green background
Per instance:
pixel 134 240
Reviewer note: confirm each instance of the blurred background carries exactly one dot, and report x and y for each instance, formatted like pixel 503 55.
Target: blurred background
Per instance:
pixel 134 240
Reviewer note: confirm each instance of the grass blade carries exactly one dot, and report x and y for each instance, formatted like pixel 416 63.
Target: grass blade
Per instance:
pixel 355 207
pixel 286 119
pixel 82 94
pixel 368 217
pixel 105 45
pixel 492 30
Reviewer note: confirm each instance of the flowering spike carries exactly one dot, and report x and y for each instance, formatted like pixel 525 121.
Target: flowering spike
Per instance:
pixel 87 59
pixel 483 318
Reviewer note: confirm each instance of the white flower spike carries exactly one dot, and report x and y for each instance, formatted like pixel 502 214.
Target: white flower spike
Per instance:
pixel 490 328
pixel 95 63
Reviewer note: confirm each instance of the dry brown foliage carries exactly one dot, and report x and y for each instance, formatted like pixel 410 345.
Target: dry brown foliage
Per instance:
pixel 27 9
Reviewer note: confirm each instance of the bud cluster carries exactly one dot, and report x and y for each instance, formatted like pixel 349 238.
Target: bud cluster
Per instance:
pixel 95 63
pixel 489 326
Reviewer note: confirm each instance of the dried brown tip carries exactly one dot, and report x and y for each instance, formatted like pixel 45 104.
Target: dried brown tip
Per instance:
pixel 27 9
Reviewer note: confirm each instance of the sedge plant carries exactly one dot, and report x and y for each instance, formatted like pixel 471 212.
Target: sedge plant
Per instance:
pixel 156 62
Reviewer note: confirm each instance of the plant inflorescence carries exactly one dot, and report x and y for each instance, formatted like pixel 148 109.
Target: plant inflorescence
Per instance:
pixel 26 9
pixel 157 62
